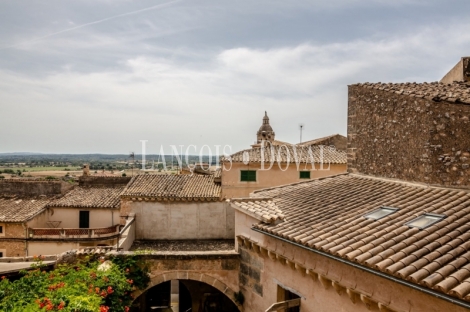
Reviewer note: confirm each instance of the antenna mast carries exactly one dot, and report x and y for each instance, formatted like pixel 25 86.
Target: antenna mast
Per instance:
pixel 301 126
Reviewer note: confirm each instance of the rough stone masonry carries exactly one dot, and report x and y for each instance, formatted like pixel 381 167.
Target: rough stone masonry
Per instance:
pixel 411 137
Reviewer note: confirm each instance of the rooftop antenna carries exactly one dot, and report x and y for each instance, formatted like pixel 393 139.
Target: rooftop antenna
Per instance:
pixel 301 126
pixel 132 155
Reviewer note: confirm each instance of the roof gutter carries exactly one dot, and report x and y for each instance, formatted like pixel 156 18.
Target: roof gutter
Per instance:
pixel 378 273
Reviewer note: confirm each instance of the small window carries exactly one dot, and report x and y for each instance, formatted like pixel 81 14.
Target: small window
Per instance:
pixel 425 220
pixel 305 174
pixel 248 175
pixel 1 229
pixel 380 213
pixel 1 254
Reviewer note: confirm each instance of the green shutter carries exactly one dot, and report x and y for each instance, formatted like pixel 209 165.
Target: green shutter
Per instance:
pixel 305 174
pixel 248 175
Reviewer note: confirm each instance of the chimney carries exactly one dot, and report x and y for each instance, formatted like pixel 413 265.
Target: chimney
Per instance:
pixel 86 169
pixel 460 72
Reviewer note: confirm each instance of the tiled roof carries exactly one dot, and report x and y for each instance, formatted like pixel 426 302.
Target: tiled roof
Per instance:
pixel 327 214
pixel 185 187
pixel 317 141
pixel 277 142
pixel 263 209
pixel 21 209
pixel 287 153
pixel 90 197
pixel 456 92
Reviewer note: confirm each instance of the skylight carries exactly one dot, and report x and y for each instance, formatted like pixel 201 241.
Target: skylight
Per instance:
pixel 425 220
pixel 380 213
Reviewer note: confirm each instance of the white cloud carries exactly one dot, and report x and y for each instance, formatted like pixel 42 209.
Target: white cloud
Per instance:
pixel 171 102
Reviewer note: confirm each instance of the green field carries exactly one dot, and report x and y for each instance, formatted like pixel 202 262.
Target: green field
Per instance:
pixel 35 169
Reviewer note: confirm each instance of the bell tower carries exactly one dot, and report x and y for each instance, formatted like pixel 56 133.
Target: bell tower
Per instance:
pixel 265 132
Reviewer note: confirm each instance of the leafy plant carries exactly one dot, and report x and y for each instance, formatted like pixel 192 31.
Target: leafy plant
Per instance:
pixel 85 286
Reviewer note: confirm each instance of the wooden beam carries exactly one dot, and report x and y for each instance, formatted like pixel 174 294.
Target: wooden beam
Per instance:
pixel 284 305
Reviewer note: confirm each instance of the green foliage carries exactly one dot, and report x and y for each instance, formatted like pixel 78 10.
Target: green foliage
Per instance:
pixel 124 174
pixel 78 287
pixel 50 178
pixel 2 177
pixel 10 171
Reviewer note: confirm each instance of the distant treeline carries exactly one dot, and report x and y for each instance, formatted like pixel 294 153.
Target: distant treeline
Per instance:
pixel 96 161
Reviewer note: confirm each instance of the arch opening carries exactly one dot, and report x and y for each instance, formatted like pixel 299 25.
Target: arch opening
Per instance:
pixel 171 294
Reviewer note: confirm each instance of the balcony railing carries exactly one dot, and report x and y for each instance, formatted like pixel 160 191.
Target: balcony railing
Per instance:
pixel 74 233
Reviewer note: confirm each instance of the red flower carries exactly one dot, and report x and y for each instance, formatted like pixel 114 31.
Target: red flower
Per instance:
pixel 130 281
pixel 126 309
pixel 110 290
pixel 104 308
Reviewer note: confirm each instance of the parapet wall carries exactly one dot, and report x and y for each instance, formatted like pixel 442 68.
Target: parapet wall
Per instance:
pixel 33 187
pixel 102 181
pixel 414 139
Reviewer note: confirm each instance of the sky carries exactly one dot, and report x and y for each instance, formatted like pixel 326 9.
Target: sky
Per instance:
pixel 98 76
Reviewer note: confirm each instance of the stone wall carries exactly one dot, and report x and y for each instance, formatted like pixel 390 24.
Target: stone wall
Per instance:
pixel 33 187
pixel 408 138
pixel 251 267
pixel 12 248
pixel 338 141
pixel 12 241
pixel 102 181
pixel 217 269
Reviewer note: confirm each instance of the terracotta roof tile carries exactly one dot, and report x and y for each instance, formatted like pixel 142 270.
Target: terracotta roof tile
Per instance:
pixel 319 140
pixel 200 187
pixel 90 197
pixel 456 92
pixel 327 214
pixel 262 209
pixel 288 153
pixel 21 209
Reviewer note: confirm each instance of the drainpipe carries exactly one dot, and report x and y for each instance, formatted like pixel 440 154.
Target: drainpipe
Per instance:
pixel 26 239
pixel 369 270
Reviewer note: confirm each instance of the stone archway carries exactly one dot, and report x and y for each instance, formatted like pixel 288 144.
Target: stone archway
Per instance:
pixel 194 276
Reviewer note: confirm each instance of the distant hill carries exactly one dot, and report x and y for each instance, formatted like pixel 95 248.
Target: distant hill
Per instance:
pixel 19 154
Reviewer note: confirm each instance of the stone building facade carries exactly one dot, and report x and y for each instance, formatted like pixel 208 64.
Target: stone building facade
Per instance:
pixel 413 132
pixel 50 217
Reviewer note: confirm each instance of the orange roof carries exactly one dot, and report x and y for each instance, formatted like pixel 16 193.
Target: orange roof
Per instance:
pixel 21 209
pixel 170 186
pixel 327 214
pixel 90 197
